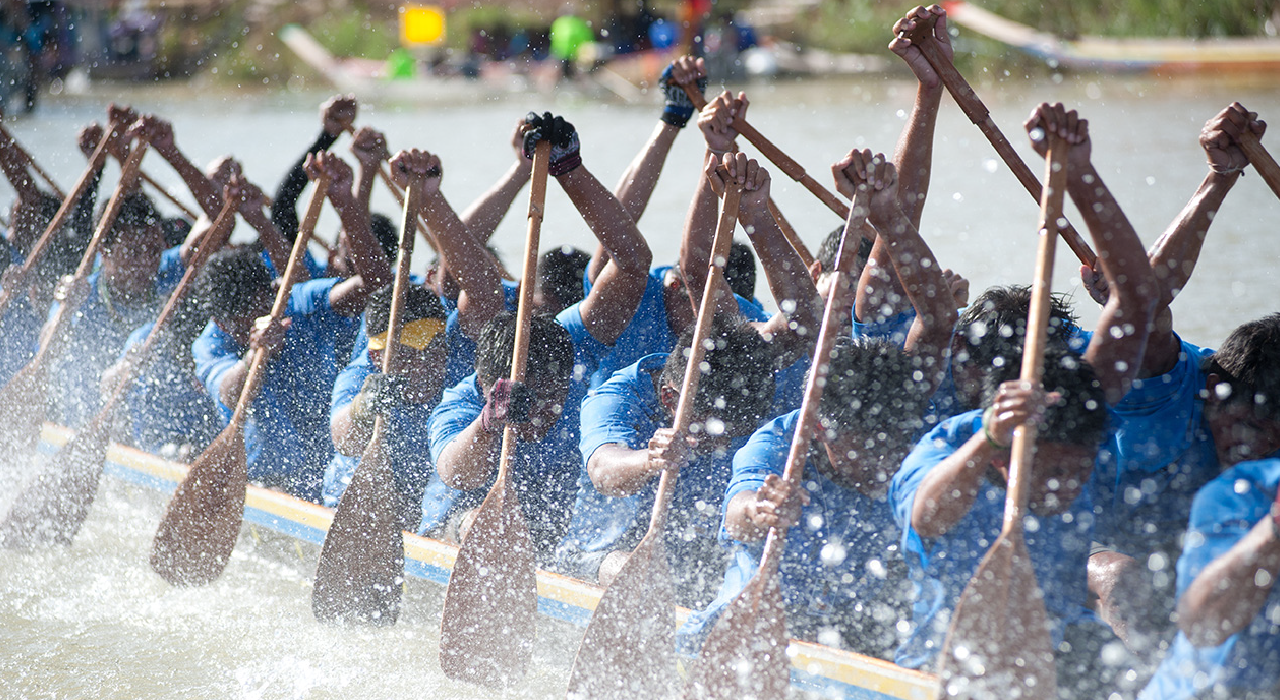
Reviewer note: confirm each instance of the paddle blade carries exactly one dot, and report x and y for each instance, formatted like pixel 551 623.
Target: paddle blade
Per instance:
pixel 628 650
pixel 201 524
pixel 361 565
pixel 486 634
pixel 745 656
pixel 23 403
pixel 998 645
pixel 52 509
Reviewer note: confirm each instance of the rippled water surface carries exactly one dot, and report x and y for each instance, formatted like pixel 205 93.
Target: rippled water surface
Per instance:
pixel 93 620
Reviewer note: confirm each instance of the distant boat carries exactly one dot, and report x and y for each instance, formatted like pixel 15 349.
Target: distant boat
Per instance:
pixel 1132 55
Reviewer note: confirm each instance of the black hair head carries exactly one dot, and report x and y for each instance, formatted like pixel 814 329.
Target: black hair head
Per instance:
pixel 829 248
pixel 232 281
pixel 875 390
pixel 737 381
pixel 1080 417
pixel 1248 366
pixel 175 229
pixel 992 329
pixel 384 229
pixel 740 270
pixel 419 302
pixel 137 216
pixel 560 272
pixel 551 355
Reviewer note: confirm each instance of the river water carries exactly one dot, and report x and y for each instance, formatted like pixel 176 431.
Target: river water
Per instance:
pixel 93 620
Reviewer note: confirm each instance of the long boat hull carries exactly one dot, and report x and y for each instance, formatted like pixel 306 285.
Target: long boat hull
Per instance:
pixel 814 668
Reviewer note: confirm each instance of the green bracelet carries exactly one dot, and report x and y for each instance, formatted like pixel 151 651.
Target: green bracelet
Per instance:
pixel 987 419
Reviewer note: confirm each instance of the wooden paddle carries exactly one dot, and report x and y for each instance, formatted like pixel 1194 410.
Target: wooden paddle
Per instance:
pixel 24 399
pixel 972 106
pixel 628 649
pixel 201 524
pixel 54 507
pixel 1261 160
pixel 19 276
pixel 362 562
pixel 998 644
pixel 173 200
pixel 745 654
pixel 487 630
pixel 787 165
pixel 26 157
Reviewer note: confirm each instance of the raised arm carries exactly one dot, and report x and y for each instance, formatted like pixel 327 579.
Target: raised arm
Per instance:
pixel 159 133
pixel 488 210
pixel 336 115
pixel 1119 341
pixel 1174 255
pixel 478 277
pixel 15 169
pixel 253 210
pixel 1226 596
pixel 608 309
pixel 913 262
pixel 373 271
pixel 369 146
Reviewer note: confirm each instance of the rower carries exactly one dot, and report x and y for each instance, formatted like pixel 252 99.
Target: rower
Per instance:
pixel 466 428
pixel 948 496
pixel 626 439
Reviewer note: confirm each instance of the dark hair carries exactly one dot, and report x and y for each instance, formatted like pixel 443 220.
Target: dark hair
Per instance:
pixel 232 281
pixel 1248 363
pixel 175 229
pixel 384 229
pixel 137 213
pixel 737 383
pixel 551 355
pixel 740 270
pixel 872 390
pixel 991 331
pixel 1080 418
pixel 829 248
pixel 419 302
pixel 560 273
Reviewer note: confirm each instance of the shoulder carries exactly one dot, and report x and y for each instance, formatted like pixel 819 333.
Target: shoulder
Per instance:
pixel 311 296
pixel 939 443
pixel 1244 492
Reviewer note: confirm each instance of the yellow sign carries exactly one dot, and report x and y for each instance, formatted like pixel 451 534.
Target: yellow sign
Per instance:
pixel 421 25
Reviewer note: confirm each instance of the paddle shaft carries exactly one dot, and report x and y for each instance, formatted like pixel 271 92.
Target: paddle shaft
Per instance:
pixel 258 366
pixel 978 113
pixel 787 165
pixel 528 275
pixel 1024 436
pixel 26 157
pixel 174 200
pixel 1261 160
pixel 64 211
pixel 697 350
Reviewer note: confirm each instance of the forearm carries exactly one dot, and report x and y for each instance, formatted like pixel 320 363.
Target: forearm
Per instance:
pixel 278 249
pixel 1121 256
pixel 468 461
pixel 82 219
pixel 947 493
pixel 478 277
pixel 914 155
pixel 350 435
pixel 795 329
pixel 1228 593
pixel 206 195
pixel 641 176
pixel 699 233
pixel 367 255
pixel 921 277
pixel 608 220
pixel 484 214
pixel 738 521
pixel 232 384
pixel 363 191
pixel 1174 255
pixel 15 169
pixel 284 205
pixel 617 470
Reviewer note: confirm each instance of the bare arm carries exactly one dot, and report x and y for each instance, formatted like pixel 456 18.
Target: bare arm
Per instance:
pixel 374 272
pixel 1228 593
pixel 468 461
pixel 15 169
pixel 159 133
pixel 369 147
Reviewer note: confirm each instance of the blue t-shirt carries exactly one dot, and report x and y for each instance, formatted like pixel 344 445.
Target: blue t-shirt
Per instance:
pixel 545 473
pixel 625 410
pixel 167 404
pixel 941 567
pixel 287 433
pixel 836 559
pixel 892 328
pixel 1164 454
pixel 1222 513
pixel 99 329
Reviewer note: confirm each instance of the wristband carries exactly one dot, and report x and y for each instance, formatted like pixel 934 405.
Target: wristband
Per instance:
pixel 988 417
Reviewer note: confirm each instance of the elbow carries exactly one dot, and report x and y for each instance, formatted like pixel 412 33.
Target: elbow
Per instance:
pixel 1198 623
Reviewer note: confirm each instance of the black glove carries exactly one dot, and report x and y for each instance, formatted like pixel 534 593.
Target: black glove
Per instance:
pixel 563 138
pixel 508 401
pixel 379 395
pixel 678 108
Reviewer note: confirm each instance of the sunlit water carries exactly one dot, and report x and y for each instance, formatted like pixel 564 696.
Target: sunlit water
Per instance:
pixel 94 621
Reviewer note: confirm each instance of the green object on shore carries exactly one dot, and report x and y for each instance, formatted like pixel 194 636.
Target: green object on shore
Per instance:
pixel 568 34
pixel 400 65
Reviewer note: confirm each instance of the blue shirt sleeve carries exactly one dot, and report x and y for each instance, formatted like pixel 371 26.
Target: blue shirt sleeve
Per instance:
pixel 765 453
pixel 458 408
pixel 215 354
pixel 615 415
